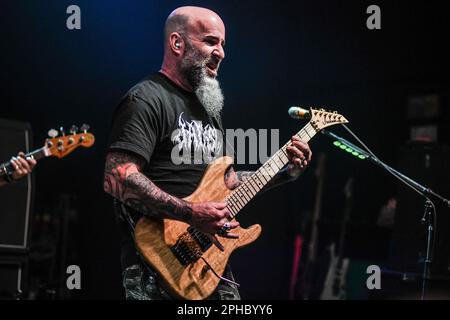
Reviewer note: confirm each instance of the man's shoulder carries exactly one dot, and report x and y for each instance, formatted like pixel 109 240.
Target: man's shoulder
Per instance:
pixel 148 89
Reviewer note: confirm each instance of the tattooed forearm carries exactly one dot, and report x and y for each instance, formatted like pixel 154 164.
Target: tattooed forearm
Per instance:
pixel 144 195
pixel 124 181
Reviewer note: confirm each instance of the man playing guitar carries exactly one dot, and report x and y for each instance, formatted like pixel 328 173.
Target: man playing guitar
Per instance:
pixel 178 106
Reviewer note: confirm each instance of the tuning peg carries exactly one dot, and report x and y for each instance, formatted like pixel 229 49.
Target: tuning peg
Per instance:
pixel 85 127
pixel 61 130
pixel 73 129
pixel 52 133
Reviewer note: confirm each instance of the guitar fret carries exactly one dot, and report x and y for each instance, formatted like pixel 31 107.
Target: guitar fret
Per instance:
pixel 264 175
pixel 283 160
pixel 235 201
pixel 254 184
pixel 242 193
pixel 274 167
pixel 284 153
pixel 239 200
pixel 248 190
pixel 302 136
pixel 268 169
pixel 251 186
pixel 259 177
pixel 231 202
pixel 269 172
pixel 230 205
pixel 235 209
pixel 278 161
pixel 232 213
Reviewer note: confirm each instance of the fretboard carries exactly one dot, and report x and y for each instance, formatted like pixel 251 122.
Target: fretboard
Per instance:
pixel 36 154
pixel 240 196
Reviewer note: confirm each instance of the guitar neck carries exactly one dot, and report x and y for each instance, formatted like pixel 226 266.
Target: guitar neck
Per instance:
pixel 36 154
pixel 240 196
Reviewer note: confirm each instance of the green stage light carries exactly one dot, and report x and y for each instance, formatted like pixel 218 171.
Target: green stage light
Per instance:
pixel 349 149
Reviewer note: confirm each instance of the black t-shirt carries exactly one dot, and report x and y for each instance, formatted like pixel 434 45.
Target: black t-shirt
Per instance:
pixel 169 128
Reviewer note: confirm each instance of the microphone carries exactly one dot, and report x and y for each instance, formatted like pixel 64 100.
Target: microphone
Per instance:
pixel 299 113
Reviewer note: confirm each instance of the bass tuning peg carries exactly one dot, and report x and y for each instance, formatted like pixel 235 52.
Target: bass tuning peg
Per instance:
pixel 52 133
pixel 85 128
pixel 73 129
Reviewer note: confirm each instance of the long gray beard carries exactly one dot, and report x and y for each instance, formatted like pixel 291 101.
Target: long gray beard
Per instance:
pixel 210 95
pixel 206 89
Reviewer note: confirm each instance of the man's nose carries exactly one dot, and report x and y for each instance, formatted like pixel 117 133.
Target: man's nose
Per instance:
pixel 219 52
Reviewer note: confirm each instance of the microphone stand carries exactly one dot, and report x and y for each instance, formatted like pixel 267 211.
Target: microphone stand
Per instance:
pixel 424 191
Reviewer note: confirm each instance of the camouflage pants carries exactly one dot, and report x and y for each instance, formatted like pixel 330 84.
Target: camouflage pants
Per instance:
pixel 141 283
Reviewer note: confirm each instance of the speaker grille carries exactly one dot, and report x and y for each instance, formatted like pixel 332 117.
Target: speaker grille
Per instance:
pixel 15 199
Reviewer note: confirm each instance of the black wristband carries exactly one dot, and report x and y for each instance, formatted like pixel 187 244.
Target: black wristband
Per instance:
pixel 7 175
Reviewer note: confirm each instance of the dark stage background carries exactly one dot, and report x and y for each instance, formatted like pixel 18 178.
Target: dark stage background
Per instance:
pixel 278 54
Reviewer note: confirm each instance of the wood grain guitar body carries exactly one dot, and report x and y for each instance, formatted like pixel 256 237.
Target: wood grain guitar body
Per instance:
pixel 156 240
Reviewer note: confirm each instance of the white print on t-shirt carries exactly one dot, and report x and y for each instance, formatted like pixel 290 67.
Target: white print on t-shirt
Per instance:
pixel 205 141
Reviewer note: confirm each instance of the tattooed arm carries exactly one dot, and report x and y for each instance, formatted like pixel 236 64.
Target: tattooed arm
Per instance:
pixel 124 181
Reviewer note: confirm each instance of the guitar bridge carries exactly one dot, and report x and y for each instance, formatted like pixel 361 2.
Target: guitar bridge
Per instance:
pixel 190 246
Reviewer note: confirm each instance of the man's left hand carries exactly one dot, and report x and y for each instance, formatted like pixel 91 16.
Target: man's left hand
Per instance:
pixel 22 166
pixel 299 155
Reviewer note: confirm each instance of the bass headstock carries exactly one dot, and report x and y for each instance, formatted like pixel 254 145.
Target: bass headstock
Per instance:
pixel 60 144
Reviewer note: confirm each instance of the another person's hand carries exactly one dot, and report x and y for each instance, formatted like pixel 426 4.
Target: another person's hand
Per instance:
pixel 22 166
pixel 300 156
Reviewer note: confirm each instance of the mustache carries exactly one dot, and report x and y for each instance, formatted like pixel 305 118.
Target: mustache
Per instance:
pixel 214 61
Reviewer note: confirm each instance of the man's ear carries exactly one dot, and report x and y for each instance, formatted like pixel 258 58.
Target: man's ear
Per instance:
pixel 176 43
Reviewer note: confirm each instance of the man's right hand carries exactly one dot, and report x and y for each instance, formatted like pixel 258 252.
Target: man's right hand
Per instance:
pixel 209 217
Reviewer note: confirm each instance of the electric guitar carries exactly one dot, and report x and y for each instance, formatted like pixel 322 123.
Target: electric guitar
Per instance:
pixel 56 146
pixel 185 259
pixel 336 281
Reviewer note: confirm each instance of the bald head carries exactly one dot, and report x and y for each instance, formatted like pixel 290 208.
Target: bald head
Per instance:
pixel 185 20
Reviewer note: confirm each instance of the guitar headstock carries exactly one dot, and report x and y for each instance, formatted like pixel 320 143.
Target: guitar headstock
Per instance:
pixel 60 144
pixel 321 118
